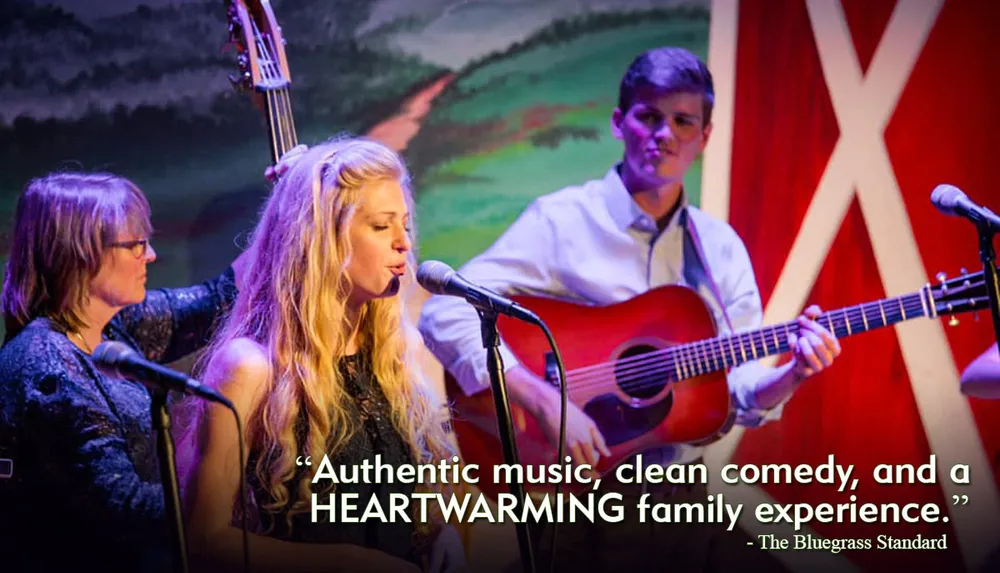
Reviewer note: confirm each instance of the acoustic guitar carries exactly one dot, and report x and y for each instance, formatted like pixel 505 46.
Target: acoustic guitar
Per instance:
pixel 651 371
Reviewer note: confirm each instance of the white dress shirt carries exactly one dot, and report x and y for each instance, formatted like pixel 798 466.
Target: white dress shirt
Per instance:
pixel 591 244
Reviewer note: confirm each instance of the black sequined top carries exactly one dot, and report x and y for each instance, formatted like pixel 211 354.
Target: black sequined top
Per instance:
pixel 86 488
pixel 375 435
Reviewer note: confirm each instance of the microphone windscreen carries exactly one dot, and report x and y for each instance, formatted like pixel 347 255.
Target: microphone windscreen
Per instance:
pixel 109 355
pixel 946 197
pixel 434 276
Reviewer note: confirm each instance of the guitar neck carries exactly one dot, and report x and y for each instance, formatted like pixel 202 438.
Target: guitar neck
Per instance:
pixel 281 125
pixel 702 357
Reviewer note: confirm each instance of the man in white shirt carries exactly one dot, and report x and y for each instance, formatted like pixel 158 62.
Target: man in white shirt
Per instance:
pixel 609 240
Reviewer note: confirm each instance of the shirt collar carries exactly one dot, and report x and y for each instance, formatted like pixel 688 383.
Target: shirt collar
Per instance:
pixel 624 211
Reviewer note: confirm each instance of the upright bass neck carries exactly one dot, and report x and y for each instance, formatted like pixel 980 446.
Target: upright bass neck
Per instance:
pixel 281 124
pixel 264 69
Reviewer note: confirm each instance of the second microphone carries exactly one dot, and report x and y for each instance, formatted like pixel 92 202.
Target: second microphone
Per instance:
pixel 439 278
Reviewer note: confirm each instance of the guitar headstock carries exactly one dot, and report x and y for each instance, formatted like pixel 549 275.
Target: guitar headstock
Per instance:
pixel 963 293
pixel 254 31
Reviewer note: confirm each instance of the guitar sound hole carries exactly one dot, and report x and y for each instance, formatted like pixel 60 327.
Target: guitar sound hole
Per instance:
pixel 641 378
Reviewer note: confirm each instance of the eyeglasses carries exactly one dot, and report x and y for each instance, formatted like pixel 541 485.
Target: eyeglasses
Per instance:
pixel 138 247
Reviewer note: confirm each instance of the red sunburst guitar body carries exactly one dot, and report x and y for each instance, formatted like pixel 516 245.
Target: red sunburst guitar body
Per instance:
pixel 651 371
pixel 697 409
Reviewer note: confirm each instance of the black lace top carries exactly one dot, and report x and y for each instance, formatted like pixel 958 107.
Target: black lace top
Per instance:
pixel 375 435
pixel 86 489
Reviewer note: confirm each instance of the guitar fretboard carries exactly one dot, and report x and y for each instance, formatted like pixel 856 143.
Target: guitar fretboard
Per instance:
pixel 697 358
pixel 649 369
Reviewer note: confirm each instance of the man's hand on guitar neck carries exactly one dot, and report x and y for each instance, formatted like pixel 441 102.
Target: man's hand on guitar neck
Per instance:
pixel 584 441
pixel 813 350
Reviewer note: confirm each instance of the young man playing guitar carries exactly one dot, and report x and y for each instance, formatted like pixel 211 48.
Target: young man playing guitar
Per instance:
pixel 609 240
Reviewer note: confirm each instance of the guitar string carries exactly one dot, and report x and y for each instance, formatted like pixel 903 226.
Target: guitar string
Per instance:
pixel 286 107
pixel 274 98
pixel 279 104
pixel 270 118
pixel 292 135
pixel 274 74
pixel 288 133
pixel 273 122
pixel 280 117
pixel 281 120
pixel 687 358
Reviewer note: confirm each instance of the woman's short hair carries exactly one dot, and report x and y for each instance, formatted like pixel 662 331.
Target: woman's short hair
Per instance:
pixel 63 224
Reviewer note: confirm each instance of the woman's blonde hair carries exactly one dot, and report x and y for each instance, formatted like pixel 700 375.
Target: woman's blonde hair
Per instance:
pixel 293 303
pixel 64 223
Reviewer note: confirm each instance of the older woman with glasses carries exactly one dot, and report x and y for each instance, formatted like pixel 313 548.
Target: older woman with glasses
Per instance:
pixel 85 485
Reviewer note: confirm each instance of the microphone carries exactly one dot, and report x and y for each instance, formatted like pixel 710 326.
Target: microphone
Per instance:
pixel 119 360
pixel 439 278
pixel 950 200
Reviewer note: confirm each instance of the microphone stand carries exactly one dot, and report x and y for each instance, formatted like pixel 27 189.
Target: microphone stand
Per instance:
pixel 987 255
pixel 494 363
pixel 168 474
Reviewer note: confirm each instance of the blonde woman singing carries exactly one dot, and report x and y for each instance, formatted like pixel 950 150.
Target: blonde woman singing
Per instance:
pixel 318 358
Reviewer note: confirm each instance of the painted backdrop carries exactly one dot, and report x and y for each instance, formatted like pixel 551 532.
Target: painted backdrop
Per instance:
pixel 835 120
